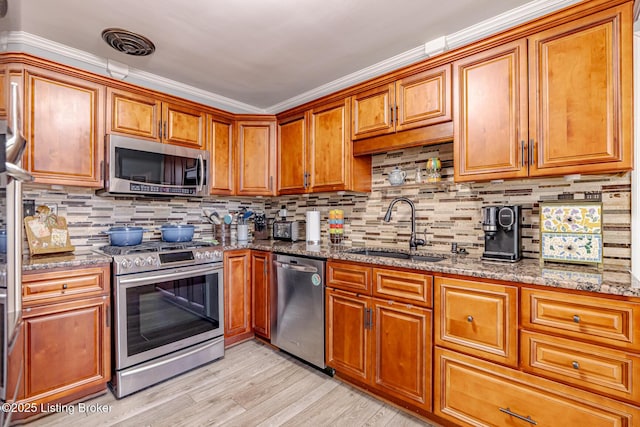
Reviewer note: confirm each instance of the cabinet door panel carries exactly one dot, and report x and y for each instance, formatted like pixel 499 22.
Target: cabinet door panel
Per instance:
pixel 221 149
pixel 292 143
pixel 261 292
pixel 237 295
pixel 424 98
pixel 65 129
pixel 66 346
pixel 580 94
pixel 183 125
pixel 473 392
pixel 330 147
pixel 490 120
pixel 373 112
pixel 477 318
pixel 255 158
pixel 347 341
pixel 402 342
pixel 133 114
pixel 4 92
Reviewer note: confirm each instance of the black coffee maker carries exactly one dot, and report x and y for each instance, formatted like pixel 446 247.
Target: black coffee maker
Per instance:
pixel 502 233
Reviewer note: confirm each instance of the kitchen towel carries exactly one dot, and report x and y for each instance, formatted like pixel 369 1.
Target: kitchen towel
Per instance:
pixel 313 226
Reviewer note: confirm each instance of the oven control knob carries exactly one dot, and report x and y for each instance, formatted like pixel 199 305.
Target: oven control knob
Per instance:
pixel 139 262
pixel 126 263
pixel 198 255
pixel 207 255
pixel 217 254
pixel 151 260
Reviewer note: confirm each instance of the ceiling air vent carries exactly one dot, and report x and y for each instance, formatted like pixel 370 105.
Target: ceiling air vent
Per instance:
pixel 128 42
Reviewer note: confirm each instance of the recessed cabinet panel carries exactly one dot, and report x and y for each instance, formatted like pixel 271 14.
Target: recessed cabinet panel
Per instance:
pixel 133 114
pixel 490 101
pixel 221 149
pixel 65 129
pixel 424 99
pixel 580 97
pixel 373 112
pixel 183 126
pixel 292 143
pixel 477 318
pixel 255 162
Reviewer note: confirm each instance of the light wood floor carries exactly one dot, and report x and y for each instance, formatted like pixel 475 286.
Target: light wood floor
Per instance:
pixel 253 385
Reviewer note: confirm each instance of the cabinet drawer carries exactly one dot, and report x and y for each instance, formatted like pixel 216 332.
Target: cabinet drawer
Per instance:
pixel 473 392
pixel 595 368
pixel 477 318
pixel 55 286
pixel 349 277
pixel 403 286
pixel 590 318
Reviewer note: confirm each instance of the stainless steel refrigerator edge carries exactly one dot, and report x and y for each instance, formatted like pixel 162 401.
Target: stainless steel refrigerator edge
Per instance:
pixel 298 327
pixel 12 175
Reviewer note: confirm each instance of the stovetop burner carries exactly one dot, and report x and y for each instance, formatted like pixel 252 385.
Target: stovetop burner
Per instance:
pixel 153 246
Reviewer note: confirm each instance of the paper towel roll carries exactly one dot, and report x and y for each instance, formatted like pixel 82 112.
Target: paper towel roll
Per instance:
pixel 313 226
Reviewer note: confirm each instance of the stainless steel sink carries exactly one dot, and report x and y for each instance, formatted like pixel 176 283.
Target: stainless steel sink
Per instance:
pixel 397 255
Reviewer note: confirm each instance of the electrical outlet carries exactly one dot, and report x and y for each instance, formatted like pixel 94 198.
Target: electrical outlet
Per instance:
pixel 28 207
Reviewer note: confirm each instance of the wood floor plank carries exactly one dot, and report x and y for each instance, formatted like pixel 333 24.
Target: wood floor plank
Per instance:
pixel 253 385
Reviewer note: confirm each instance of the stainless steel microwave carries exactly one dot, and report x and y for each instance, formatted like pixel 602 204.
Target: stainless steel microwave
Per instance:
pixel 148 168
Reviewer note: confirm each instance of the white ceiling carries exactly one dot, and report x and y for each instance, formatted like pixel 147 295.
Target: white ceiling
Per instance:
pixel 265 54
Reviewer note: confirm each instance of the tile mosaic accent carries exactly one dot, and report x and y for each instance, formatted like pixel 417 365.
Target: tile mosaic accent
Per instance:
pixel 571 218
pixel 445 212
pixel 572 247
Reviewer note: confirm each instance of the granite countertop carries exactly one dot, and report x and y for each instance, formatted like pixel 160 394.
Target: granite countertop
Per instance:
pixel 64 260
pixel 613 279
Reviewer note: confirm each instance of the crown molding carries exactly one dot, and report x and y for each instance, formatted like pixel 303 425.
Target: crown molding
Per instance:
pixel 61 52
pixel 390 64
pixel 491 26
pixel 475 32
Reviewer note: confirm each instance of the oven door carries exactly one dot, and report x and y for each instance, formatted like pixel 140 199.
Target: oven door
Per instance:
pixel 157 313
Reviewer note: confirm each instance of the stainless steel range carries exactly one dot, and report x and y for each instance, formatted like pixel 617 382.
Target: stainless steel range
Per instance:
pixel 168 311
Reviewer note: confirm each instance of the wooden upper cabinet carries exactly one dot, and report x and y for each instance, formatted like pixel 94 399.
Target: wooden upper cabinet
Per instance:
pixel 143 116
pixel 316 154
pixel 414 101
pixel 183 125
pixel 423 99
pixel 255 157
pixel 64 126
pixel 329 153
pixel 581 101
pixel 221 150
pixel 292 155
pixel 490 104
pixel 133 114
pixel 373 112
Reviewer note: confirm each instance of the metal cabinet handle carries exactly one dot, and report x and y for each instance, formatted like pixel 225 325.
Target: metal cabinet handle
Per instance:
pixel 165 130
pixel 522 152
pixel 469 319
pixel 391 112
pixel 532 156
pixel 575 365
pixel 520 417
pixel 65 286
pixel 576 318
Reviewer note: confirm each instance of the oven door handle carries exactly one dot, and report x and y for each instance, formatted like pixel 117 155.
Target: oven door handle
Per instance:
pixel 150 278
pixel 294 267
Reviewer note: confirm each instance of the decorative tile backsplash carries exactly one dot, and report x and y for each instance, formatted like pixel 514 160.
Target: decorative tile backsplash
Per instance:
pixel 445 212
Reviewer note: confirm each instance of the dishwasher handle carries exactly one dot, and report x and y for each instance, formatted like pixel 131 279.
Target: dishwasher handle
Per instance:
pixel 296 267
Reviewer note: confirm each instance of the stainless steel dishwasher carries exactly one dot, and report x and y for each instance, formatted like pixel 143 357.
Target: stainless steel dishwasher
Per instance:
pixel 299 320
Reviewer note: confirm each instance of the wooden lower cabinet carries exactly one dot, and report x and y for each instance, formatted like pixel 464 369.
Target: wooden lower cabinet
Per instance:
pixel 474 392
pixel 237 297
pixel 402 351
pixel 67 346
pixel 383 345
pixel 261 293
pixel 66 331
pixel 348 336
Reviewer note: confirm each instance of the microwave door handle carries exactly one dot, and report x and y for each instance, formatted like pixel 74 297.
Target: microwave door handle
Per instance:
pixel 201 183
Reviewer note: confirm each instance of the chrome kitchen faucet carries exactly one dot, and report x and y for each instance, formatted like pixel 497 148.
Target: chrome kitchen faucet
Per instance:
pixel 413 241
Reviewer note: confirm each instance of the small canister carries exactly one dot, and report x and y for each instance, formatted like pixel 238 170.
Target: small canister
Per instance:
pixel 336 225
